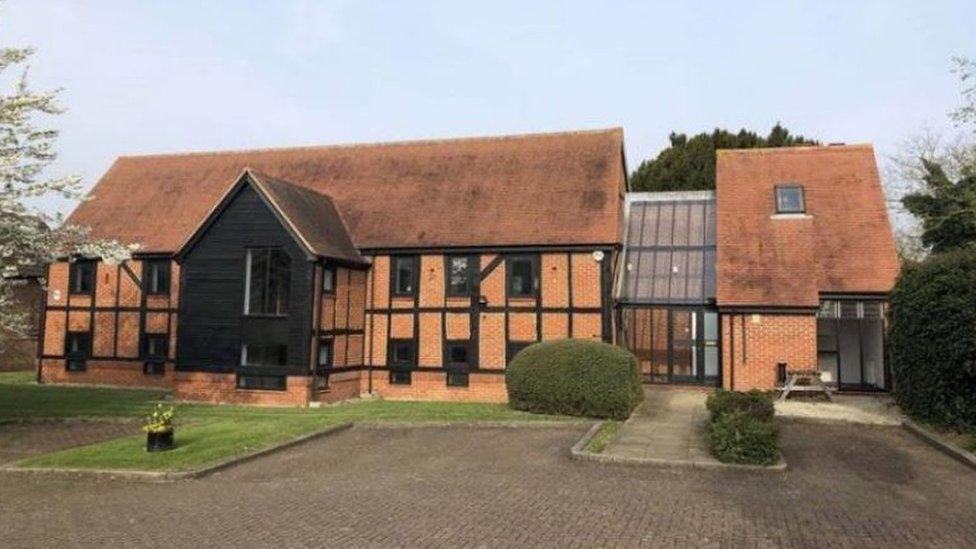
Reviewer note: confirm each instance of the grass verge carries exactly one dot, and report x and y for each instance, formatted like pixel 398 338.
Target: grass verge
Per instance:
pixel 603 437
pixel 206 434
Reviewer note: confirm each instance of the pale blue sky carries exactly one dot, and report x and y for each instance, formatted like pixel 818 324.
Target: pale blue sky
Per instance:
pixel 143 77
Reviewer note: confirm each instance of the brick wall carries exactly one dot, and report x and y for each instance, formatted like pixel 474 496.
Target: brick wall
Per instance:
pixel 222 388
pixel 126 373
pixel 116 315
pixel 568 305
pixel 753 344
pixel 433 386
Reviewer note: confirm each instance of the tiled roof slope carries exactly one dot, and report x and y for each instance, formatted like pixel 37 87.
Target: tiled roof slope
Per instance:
pixel 557 188
pixel 311 215
pixel 843 244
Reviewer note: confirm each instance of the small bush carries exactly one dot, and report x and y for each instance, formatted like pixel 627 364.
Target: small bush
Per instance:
pixel 933 340
pixel 753 403
pixel 737 437
pixel 574 377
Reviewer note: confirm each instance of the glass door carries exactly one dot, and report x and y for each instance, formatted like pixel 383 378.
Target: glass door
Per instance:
pixel 684 358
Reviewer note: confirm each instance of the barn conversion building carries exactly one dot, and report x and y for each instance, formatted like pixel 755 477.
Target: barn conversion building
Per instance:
pixel 417 270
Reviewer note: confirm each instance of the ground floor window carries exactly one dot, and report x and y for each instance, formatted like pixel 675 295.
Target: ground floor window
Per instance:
pixel 77 351
pixel 457 379
pixel 400 377
pixel 673 344
pixel 154 348
pixel 261 382
pixel 850 344
pixel 324 366
pixel 457 362
pixel 513 348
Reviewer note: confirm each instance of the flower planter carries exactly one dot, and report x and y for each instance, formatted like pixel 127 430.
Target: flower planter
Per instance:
pixel 159 442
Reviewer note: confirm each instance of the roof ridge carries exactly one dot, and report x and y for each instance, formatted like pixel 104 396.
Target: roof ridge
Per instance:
pixel 801 148
pixel 371 144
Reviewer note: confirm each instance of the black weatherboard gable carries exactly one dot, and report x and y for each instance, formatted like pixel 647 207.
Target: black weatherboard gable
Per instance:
pixel 311 219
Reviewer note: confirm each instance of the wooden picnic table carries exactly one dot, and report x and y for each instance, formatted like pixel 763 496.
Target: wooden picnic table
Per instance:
pixel 805 381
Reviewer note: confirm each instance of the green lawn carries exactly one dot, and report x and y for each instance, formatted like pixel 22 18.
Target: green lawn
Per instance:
pixel 208 433
pixel 603 437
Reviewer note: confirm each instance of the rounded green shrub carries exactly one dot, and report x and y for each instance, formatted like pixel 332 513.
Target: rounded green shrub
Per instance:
pixel 933 339
pixel 737 437
pixel 754 403
pixel 574 377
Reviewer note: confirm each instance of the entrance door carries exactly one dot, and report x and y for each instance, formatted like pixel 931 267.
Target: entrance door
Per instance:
pixel 673 345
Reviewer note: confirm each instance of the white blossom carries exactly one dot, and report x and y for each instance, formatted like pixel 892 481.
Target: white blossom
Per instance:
pixel 29 237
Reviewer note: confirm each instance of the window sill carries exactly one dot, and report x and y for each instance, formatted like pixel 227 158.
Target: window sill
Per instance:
pixel 797 215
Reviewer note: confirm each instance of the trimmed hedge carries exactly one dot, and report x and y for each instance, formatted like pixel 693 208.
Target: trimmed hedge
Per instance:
pixel 737 437
pixel 574 377
pixel 754 403
pixel 741 427
pixel 933 339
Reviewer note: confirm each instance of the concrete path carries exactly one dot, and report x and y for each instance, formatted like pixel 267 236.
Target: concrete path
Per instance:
pixel 667 426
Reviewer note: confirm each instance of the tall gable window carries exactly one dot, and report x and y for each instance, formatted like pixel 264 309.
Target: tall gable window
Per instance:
pixel 459 275
pixel 405 276
pixel 268 277
pixel 81 278
pixel 157 276
pixel 789 199
pixel 523 275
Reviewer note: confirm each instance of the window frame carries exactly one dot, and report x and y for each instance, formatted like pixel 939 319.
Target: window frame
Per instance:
pixel 89 268
pixel 415 269
pixel 533 260
pixel 248 260
pixel 468 284
pixel 517 347
pixel 401 373
pixel 790 187
pixel 335 273
pixel 165 270
pixel 264 382
pixel 401 377
pixel 458 373
pixel 245 355
pixel 73 358
pixel 154 364
pixel 324 371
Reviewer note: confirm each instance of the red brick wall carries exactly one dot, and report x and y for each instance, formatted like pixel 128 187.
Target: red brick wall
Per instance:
pixel 753 344
pixel 433 386
pixel 113 324
pixel 437 319
pixel 116 372
pixel 222 388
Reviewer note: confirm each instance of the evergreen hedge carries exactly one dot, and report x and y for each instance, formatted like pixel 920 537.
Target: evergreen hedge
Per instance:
pixel 741 428
pixel 933 339
pixel 574 377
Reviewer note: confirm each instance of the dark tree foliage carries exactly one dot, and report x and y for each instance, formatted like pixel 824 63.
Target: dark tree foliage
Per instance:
pixel 947 210
pixel 689 164
pixel 933 339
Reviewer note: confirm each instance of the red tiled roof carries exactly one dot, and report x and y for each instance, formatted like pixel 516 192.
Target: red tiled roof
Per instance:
pixel 557 188
pixel 843 244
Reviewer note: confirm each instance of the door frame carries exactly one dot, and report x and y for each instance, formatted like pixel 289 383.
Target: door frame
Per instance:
pixel 698 345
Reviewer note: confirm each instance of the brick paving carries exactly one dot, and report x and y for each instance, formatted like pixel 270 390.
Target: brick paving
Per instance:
pixel 846 487
pixel 20 440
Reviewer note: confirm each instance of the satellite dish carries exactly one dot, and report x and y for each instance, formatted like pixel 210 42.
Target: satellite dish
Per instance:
pixel 598 255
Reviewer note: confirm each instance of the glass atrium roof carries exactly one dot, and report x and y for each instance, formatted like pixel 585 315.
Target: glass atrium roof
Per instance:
pixel 669 248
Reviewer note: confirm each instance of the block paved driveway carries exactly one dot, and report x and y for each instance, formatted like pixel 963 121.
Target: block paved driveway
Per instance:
pixel 846 487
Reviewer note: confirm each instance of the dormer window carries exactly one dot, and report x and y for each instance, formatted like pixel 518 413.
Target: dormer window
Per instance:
pixel 789 199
